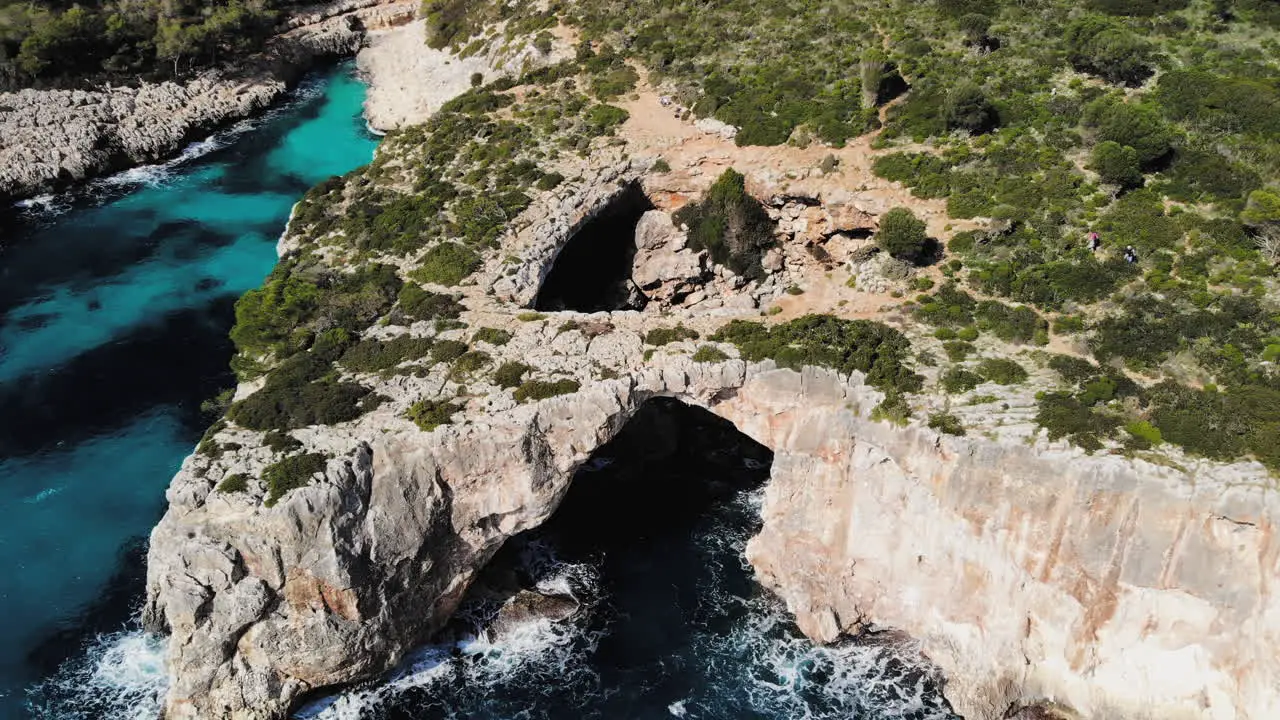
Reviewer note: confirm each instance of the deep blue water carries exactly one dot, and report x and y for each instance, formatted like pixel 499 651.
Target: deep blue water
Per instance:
pixel 115 302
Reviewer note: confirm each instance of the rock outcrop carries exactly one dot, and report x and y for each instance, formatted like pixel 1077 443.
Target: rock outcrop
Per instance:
pixel 1120 589
pixel 51 138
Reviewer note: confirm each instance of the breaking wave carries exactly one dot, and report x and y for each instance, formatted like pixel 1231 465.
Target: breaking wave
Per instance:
pixel 745 657
pixel 120 676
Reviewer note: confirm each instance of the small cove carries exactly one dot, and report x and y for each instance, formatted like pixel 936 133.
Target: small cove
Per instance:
pixel 115 303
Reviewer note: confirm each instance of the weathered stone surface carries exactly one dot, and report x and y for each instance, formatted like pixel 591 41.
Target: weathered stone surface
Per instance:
pixel 1120 589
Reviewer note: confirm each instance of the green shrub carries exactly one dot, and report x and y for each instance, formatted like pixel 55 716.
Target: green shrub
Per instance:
pixel 493 336
pixel 1130 125
pixel 510 374
pixel 708 354
pixel 902 235
pixel 371 355
pixel 869 347
pixel 550 181
pixel 447 263
pixel 431 414
pixel 1145 432
pixel 661 166
pixel 1001 371
pixel 730 225
pixel 280 442
pixel 1071 368
pixel 1062 415
pixel 468 363
pixel 422 304
pixel 947 423
pixel 1011 324
pixel 447 350
pixel 944 333
pixel 530 317
pixel 234 483
pixel 967 108
pixel 1101 47
pixel 959 380
pixel 894 409
pixel 967 334
pixel 1117 164
pixel 541 389
pixel 959 350
pixel 291 473
pixel 663 336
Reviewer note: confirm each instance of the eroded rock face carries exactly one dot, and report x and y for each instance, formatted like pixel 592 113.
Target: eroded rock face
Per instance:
pixel 1119 589
pixel 664 269
pixel 49 138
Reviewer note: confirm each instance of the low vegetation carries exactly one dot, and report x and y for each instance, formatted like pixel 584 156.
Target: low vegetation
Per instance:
pixel 291 473
pixel 543 389
pixel 431 414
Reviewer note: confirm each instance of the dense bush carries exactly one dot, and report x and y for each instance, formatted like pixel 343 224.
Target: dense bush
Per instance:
pixel 372 355
pixel 468 363
pixel 843 345
pixel 730 225
pixel 1072 369
pixel 510 374
pixel 291 473
pixel 1002 371
pixel 903 235
pixel 959 380
pixel 663 336
pixel 1062 415
pixel 1116 164
pixel 234 483
pixel 1009 323
pixel 709 353
pixel 492 336
pixel 447 263
pixel 967 108
pixel 1101 47
pixel 431 414
pixel 542 389
pixel 947 423
pixel 279 442
pixel 422 304
pixel 1129 124
pixel 1220 425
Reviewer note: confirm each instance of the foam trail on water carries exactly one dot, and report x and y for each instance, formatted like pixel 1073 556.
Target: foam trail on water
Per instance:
pixel 120 676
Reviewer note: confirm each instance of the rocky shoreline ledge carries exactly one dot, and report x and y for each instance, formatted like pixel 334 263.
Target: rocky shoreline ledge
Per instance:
pixel 50 139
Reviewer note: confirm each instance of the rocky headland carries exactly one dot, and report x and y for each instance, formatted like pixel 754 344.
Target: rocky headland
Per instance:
pixel 50 139
pixel 298 555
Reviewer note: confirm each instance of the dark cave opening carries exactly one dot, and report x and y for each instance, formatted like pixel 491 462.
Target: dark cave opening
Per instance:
pixel 593 271
pixel 667 467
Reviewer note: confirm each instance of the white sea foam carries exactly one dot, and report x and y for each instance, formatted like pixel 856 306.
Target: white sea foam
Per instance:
pixel 121 676
pixel 539 651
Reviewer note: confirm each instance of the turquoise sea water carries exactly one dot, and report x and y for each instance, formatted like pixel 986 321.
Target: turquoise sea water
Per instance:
pixel 115 302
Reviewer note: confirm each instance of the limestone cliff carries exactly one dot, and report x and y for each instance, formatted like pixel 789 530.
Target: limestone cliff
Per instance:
pixel 50 138
pixel 1119 589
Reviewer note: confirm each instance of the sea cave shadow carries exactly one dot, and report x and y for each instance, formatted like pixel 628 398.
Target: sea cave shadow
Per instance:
pixel 592 273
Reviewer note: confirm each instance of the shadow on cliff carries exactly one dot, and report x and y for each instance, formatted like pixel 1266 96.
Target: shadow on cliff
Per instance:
pixel 593 271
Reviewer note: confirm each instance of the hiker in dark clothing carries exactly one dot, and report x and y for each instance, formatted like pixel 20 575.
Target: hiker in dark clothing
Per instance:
pixel 1130 255
pixel 1095 242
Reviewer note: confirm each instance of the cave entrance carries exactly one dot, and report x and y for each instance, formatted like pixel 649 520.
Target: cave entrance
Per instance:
pixel 593 271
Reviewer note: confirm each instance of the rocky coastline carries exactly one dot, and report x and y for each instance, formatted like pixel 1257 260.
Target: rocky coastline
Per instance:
pixel 1042 582
pixel 1032 575
pixel 51 139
